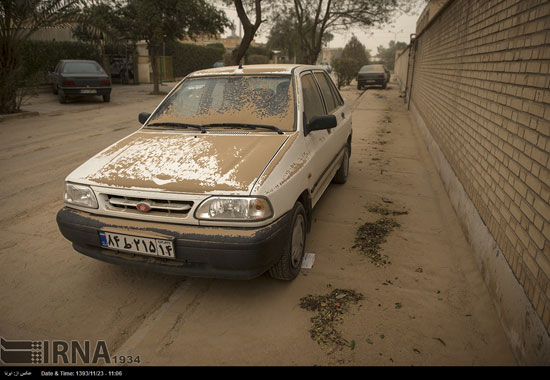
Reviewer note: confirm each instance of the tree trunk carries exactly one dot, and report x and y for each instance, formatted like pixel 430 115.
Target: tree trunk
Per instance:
pixel 153 55
pixel 8 77
pixel 249 30
pixel 238 53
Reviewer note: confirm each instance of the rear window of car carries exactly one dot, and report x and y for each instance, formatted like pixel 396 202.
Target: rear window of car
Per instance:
pixel 247 99
pixel 371 68
pixel 82 68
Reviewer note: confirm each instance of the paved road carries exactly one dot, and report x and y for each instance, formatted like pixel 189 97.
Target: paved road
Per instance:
pixel 426 305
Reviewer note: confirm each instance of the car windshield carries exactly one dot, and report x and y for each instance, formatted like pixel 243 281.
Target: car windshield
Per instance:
pixel 371 68
pixel 232 101
pixel 82 68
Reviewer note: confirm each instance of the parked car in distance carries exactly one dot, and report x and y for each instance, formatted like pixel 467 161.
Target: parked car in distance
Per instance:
pixel 75 78
pixel 221 179
pixel 373 75
pixel 219 64
pixel 122 68
pixel 326 66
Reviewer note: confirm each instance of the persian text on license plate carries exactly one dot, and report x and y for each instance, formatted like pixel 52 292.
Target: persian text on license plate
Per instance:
pixel 137 244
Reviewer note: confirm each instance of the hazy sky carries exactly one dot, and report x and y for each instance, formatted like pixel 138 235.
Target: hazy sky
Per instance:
pixel 401 30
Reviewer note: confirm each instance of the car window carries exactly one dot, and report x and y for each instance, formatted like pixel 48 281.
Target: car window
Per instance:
pixel 371 68
pixel 82 68
pixel 247 99
pixel 336 93
pixel 331 101
pixel 313 104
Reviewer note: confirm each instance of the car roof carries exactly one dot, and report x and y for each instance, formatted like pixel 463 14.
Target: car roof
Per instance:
pixel 253 69
pixel 375 66
pixel 77 60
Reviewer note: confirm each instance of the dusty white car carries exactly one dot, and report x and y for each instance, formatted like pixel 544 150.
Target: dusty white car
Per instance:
pixel 221 179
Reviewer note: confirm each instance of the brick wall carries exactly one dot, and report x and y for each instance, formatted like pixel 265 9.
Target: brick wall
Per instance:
pixel 479 77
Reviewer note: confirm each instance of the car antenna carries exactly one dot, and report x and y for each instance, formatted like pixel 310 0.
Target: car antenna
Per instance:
pixel 240 65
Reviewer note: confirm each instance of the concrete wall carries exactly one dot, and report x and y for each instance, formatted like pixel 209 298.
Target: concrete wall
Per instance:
pixel 401 67
pixel 479 88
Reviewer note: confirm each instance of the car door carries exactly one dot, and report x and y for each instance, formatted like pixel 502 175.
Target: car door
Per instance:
pixel 323 146
pixel 337 137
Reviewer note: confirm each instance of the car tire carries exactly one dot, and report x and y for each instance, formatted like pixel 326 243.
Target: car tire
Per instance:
pixel 55 90
pixel 62 97
pixel 106 98
pixel 290 263
pixel 341 175
pixel 359 87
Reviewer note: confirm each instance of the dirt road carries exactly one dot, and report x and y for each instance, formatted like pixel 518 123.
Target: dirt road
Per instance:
pixel 419 300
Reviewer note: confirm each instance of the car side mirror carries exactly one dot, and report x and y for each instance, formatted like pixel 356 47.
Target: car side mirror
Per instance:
pixel 143 116
pixel 318 123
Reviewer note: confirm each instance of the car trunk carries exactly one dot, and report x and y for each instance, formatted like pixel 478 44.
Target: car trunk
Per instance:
pixel 86 80
pixel 370 76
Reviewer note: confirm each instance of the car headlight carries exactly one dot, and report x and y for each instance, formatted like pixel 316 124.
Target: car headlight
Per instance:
pixel 234 208
pixel 80 195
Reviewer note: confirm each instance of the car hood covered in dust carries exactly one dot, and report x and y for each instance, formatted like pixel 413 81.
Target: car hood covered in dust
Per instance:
pixel 182 162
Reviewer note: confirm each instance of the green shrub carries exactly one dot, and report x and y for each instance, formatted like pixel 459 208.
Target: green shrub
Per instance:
pixel 346 69
pixel 253 59
pixel 189 57
pixel 40 57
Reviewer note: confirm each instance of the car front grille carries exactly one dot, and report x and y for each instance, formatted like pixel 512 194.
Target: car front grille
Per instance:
pixel 154 207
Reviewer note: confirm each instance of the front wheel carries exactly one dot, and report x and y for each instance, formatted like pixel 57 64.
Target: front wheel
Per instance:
pixel 290 262
pixel 341 175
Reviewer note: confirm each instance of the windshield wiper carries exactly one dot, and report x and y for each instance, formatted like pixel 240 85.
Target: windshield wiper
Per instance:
pixel 178 125
pixel 243 125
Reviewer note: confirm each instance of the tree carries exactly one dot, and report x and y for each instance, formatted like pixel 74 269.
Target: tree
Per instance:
pixel 315 18
pixel 158 22
pixel 345 70
pixel 387 55
pixel 356 51
pixel 100 22
pixel 19 19
pixel 249 29
pixel 283 36
pixel 353 57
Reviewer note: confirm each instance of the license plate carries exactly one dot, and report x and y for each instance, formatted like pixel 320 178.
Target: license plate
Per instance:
pixel 371 81
pixel 88 91
pixel 137 244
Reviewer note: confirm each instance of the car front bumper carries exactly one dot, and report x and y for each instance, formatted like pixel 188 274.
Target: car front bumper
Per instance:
pixel 233 253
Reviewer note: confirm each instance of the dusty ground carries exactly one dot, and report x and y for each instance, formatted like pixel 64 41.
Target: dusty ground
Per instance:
pixel 423 301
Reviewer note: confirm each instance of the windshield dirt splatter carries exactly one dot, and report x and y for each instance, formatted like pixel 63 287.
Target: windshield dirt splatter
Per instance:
pixel 187 162
pixel 248 99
